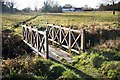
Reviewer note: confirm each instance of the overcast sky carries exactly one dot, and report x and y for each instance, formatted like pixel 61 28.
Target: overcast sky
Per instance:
pixel 20 4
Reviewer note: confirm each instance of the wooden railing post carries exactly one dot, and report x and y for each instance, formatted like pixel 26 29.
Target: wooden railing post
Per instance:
pixel 52 35
pixel 37 40
pixel 23 31
pixel 60 36
pixel 82 40
pixel 31 36
pixel 46 44
pixel 69 40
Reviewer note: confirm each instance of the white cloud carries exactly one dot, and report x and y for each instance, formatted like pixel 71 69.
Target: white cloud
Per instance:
pixel 20 4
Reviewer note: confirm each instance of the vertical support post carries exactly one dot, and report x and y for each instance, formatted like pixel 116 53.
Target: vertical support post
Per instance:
pixel 46 44
pixel 31 36
pixel 69 40
pixel 82 40
pixel 37 40
pixel 26 33
pixel 23 31
pixel 52 35
pixel 60 36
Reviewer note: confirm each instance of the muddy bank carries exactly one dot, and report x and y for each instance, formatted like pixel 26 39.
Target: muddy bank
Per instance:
pixel 97 37
pixel 12 45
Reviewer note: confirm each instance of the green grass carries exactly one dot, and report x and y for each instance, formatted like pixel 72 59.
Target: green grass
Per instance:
pixel 99 64
pixel 91 64
pixel 94 65
pixel 78 19
pixel 10 20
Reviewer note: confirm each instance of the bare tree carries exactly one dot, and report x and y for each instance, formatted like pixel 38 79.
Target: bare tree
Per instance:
pixel 27 9
pixel 51 6
pixel 113 3
pixel 36 4
pixel 36 9
pixel 11 4
pixel 47 5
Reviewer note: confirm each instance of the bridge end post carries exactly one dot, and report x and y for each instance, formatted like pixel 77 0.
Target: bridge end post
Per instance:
pixel 53 35
pixel 69 40
pixel 82 40
pixel 23 32
pixel 46 44
pixel 60 36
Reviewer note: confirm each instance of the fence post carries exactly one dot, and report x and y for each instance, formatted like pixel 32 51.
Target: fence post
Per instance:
pixel 46 44
pixel 31 36
pixel 23 31
pixel 52 35
pixel 26 33
pixel 82 40
pixel 60 37
pixel 69 40
pixel 37 40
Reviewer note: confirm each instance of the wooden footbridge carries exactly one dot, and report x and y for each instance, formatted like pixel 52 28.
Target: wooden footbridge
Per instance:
pixel 55 42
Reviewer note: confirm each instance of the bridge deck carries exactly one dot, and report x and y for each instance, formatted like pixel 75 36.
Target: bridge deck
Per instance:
pixel 58 54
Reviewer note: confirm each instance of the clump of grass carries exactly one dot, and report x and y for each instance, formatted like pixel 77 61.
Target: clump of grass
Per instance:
pixel 99 64
pixel 70 74
pixel 56 70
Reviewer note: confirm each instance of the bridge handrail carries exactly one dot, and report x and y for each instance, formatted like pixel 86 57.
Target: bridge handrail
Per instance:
pixel 37 40
pixel 58 31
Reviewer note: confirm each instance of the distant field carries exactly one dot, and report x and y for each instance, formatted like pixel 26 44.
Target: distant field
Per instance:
pixel 9 20
pixel 85 20
pixel 78 19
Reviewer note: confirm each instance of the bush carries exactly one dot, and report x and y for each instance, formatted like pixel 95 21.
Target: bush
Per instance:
pixel 25 68
pixel 56 70
pixel 96 60
pixel 40 77
pixel 70 74
pixel 111 69
pixel 41 66
pixel 93 60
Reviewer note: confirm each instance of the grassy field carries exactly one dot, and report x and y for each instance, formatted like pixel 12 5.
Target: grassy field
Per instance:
pixel 82 19
pixel 86 20
pixel 9 20
pixel 92 64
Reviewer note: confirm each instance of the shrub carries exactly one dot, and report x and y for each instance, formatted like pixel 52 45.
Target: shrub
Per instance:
pixel 41 66
pixel 56 70
pixel 40 77
pixel 70 74
pixel 96 60
pixel 111 69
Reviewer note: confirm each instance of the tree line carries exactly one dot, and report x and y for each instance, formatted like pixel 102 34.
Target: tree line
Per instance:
pixel 8 6
pixel 48 6
pixel 109 7
pixel 51 6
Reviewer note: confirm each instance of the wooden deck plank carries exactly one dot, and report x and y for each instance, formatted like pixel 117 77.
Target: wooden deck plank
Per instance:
pixel 57 54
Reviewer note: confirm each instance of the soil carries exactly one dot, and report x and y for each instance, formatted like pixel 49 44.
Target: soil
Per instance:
pixel 13 45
